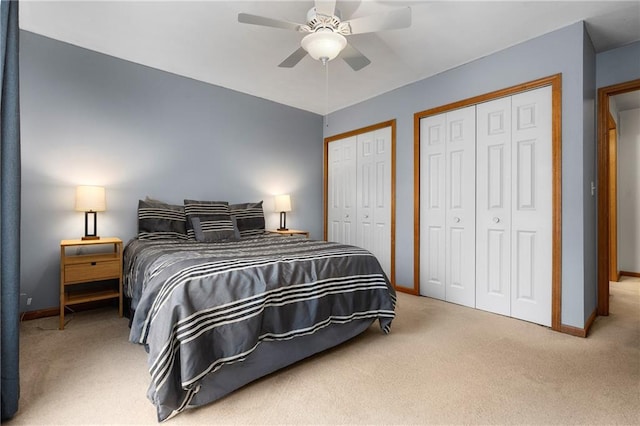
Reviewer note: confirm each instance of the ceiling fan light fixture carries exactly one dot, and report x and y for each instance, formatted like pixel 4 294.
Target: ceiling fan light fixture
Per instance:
pixel 324 45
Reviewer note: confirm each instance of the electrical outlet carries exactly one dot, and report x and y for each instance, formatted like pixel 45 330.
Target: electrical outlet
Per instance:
pixel 28 301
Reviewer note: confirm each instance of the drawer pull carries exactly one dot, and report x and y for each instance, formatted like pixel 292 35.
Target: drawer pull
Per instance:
pixel 94 263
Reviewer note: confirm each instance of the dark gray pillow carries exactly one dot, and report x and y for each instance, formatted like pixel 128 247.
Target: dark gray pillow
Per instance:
pixel 214 221
pixel 249 217
pixel 161 221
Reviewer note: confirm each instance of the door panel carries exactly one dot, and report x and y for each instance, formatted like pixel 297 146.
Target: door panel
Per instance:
pixel 460 206
pixel 497 280
pixel 433 208
pixel 447 151
pixel 365 164
pixel 383 202
pixel 342 191
pixel 456 259
pixel 456 179
pixel 495 185
pixel 435 180
pixel 334 214
pixel 348 231
pixel 525 248
pixel 532 207
pixel 374 208
pixel 493 206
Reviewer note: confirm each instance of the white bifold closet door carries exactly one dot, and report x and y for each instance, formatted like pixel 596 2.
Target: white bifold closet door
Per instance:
pixel 341 214
pixel 486 206
pixel 359 193
pixel 514 193
pixel 447 211
pixel 373 194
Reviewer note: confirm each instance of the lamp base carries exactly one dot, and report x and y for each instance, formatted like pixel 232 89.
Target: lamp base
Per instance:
pixel 89 232
pixel 283 222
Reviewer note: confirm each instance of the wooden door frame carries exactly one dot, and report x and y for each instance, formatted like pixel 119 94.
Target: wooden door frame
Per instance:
pixel 327 141
pixel 604 217
pixel 555 81
pixel 614 275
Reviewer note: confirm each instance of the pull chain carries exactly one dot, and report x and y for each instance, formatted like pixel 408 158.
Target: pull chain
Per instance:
pixel 326 81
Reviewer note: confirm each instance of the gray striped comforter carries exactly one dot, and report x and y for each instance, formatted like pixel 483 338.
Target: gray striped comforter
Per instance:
pixel 201 306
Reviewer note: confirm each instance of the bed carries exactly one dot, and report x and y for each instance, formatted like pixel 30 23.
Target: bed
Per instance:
pixel 214 316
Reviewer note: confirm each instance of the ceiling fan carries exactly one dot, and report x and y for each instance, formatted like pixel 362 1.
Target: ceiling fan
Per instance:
pixel 326 32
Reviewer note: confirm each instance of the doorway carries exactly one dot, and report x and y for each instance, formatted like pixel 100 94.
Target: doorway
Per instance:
pixel 607 182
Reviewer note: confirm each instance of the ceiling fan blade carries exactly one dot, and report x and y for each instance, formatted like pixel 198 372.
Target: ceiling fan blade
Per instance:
pixel 294 58
pixel 247 18
pixel 399 18
pixel 354 58
pixel 325 7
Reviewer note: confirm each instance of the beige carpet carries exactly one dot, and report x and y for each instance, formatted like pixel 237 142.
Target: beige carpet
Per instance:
pixel 442 363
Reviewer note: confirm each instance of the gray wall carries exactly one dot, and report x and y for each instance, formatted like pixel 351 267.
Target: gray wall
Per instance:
pixel 618 65
pixel 590 167
pixel 561 51
pixel 89 118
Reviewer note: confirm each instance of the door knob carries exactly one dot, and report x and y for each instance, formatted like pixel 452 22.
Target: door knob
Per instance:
pixel 496 219
pixel 346 216
pixel 456 219
pixel 366 216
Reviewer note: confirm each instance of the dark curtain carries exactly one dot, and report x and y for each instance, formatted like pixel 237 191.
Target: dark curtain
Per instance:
pixel 9 208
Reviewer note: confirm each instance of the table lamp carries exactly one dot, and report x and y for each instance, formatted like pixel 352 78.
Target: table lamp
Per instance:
pixel 283 205
pixel 90 200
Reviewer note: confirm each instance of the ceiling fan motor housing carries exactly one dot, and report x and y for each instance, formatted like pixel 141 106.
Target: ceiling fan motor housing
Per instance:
pixel 316 21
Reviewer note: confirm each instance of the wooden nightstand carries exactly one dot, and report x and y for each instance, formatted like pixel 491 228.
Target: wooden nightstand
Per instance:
pixel 289 232
pixel 99 265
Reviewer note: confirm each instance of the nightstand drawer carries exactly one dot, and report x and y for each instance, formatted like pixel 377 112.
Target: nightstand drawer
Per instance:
pixel 92 271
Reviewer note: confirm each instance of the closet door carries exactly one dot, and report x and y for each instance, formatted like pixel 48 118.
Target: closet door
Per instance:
pixel 460 234
pixel 341 214
pixel 514 211
pixel 374 194
pixel 432 206
pixel 493 206
pixel 531 237
pixel 447 186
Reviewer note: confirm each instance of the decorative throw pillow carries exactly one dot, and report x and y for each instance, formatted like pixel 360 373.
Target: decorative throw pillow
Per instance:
pixel 211 219
pixel 249 217
pixel 160 221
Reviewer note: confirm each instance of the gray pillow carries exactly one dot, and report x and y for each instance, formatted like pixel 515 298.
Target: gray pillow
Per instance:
pixel 213 218
pixel 249 217
pixel 161 221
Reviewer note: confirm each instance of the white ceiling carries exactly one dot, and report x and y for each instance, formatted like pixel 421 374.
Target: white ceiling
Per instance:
pixel 203 40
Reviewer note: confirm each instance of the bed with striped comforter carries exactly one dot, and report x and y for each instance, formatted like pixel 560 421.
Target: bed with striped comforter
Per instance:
pixel 215 316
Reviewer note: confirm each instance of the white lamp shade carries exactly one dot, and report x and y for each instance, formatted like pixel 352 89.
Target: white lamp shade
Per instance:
pixel 283 203
pixel 324 44
pixel 90 198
